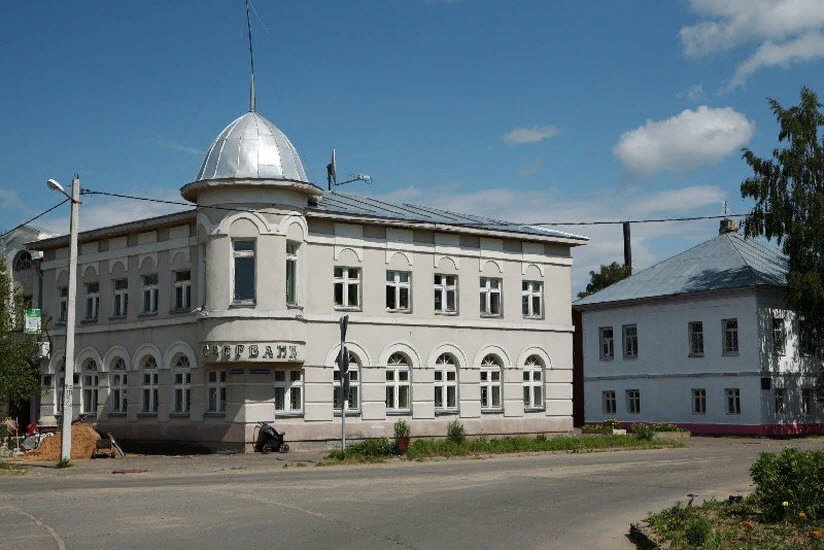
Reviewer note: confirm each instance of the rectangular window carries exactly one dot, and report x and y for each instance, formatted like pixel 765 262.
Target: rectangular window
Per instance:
pixel 490 297
pixel 243 252
pixel 183 391
pixel 398 288
pixel 149 402
pixel 730 336
pixel 347 287
pixel 780 401
pixel 808 401
pixel 118 388
pixel 696 337
pixel 91 391
pixel 606 343
pixel 733 397
pixel 92 301
pixel 183 290
pixel 291 272
pixel 64 304
pixel 352 402
pixel 288 386
pixel 633 401
pixel 446 384
pixel 216 392
pixel 630 341
pixel 779 336
pixel 150 293
pixel 532 293
pixel 608 402
pixel 120 307
pixel 491 389
pixel 699 401
pixel 446 294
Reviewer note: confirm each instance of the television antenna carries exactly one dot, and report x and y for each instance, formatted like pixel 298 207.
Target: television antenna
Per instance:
pixel 332 175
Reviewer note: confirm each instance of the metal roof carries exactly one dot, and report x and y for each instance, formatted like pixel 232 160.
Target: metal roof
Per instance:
pixel 251 147
pixel 360 206
pixel 725 262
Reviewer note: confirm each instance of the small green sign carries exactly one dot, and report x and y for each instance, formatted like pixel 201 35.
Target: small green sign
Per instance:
pixel 32 321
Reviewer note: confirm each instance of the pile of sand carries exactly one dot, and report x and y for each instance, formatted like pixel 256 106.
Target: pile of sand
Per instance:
pixel 84 438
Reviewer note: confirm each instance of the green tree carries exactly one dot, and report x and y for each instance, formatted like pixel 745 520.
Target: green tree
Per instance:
pixel 19 377
pixel 788 190
pixel 608 275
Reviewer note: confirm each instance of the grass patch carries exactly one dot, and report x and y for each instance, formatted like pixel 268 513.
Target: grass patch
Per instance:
pixel 64 463
pixel 6 467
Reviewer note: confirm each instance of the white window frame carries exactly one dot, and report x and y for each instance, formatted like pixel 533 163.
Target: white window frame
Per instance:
pixel 698 397
pixel 443 289
pixel 808 401
pixel 239 255
pixel 91 387
pixel 92 309
pixel 633 400
pixel 732 400
pixel 63 307
pixel 780 401
pixel 695 338
pixel 629 342
pixel 779 335
pixel 342 276
pixel 530 291
pixel 492 374
pixel 609 403
pixel 118 387
pixel 291 277
pixel 149 386
pixel 396 283
pixel 181 385
pixel 446 379
pixel 150 292
pixel 488 289
pixel 182 290
pixel 533 383
pixel 216 392
pixel 353 406
pixel 120 302
pixel 397 368
pixel 606 344
pixel 289 391
pixel 729 336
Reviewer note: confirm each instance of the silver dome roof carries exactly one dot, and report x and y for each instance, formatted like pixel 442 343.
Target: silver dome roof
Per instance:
pixel 251 147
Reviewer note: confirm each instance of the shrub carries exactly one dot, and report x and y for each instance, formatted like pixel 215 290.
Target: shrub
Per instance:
pixel 697 530
pixel 402 429
pixel 540 438
pixel 643 431
pixel 667 428
pixel 612 424
pixel 793 476
pixel 371 448
pixel 455 432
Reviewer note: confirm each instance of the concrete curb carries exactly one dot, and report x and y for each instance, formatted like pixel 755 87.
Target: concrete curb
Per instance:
pixel 642 536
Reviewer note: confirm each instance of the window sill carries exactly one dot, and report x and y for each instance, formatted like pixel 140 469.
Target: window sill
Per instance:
pixel 696 355
pixel 630 357
pixel 533 317
pixel 607 358
pixel 398 412
pixel 357 412
pixel 178 415
pixel 346 308
pixel 446 412
pixel 116 414
pixel 498 410
pixel 733 414
pixel 214 414
pixel 88 321
pixel 242 305
pixel 147 314
pixel 694 413
pixel 407 311
pixel 491 316
pixel 730 354
pixel 447 313
pixel 288 414
pixel 534 409
pixel 147 414
pixel 117 317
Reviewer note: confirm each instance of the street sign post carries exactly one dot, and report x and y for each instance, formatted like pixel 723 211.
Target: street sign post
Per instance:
pixel 32 321
pixel 343 368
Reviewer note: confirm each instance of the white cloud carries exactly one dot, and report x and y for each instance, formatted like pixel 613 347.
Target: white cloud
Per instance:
pixel 686 141
pixel 182 148
pixel 9 198
pixel 519 136
pixel 785 30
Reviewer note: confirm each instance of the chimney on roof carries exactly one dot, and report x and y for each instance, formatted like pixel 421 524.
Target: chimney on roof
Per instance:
pixel 728 226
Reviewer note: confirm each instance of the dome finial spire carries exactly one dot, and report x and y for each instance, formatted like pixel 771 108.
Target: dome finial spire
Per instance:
pixel 252 105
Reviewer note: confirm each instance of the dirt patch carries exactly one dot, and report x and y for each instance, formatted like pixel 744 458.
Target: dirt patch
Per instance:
pixel 84 438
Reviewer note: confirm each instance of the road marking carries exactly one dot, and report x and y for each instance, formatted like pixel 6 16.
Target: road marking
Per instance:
pixel 59 541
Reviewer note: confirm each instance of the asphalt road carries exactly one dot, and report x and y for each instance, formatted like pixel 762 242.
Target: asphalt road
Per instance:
pixel 536 501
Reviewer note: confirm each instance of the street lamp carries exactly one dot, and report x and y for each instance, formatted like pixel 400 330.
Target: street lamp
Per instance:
pixel 68 386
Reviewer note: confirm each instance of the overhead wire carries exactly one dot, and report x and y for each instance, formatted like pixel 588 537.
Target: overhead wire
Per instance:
pixel 38 216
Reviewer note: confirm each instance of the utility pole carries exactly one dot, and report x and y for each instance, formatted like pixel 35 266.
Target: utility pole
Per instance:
pixel 627 246
pixel 343 369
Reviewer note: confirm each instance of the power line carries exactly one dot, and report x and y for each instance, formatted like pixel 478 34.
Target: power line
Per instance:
pixel 647 220
pixel 40 215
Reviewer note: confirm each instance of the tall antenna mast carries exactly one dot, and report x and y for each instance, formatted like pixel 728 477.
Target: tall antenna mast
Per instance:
pixel 251 57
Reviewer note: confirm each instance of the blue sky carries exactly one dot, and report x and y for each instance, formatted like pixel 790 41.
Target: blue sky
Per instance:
pixel 523 110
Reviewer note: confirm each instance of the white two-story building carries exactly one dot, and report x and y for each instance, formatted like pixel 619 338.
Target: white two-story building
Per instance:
pixel 703 340
pixel 194 326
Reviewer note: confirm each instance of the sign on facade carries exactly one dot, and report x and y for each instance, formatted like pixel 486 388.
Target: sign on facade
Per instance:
pixel 262 352
pixel 32 321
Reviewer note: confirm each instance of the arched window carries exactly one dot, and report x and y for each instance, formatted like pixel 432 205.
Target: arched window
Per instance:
pixel 446 383
pixel 182 387
pixel 118 383
pixel 354 382
pixel 491 374
pixel 148 378
pixel 22 261
pixel 533 382
pixel 398 388
pixel 91 386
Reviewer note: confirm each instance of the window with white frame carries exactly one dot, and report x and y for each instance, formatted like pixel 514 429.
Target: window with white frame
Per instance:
pixel 446 383
pixel 808 401
pixel 398 387
pixel 730 336
pixel 149 384
pixel 182 384
pixel 491 375
pixel 183 290
pixel 354 380
pixel 64 304
pixel 490 296
pixel 347 287
pixel 91 386
pixel 608 403
pixel 120 307
pixel 633 398
pixel 630 341
pixel 779 336
pixel 398 290
pixel 532 293
pixel 696 338
pixel 288 386
pixel 446 294
pixel 92 301
pixel 780 401
pixel 151 290
pixel 292 272
pixel 118 386
pixel 607 343
pixel 243 271
pixel 733 399
pixel 216 392
pixel 699 401
pixel 533 378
